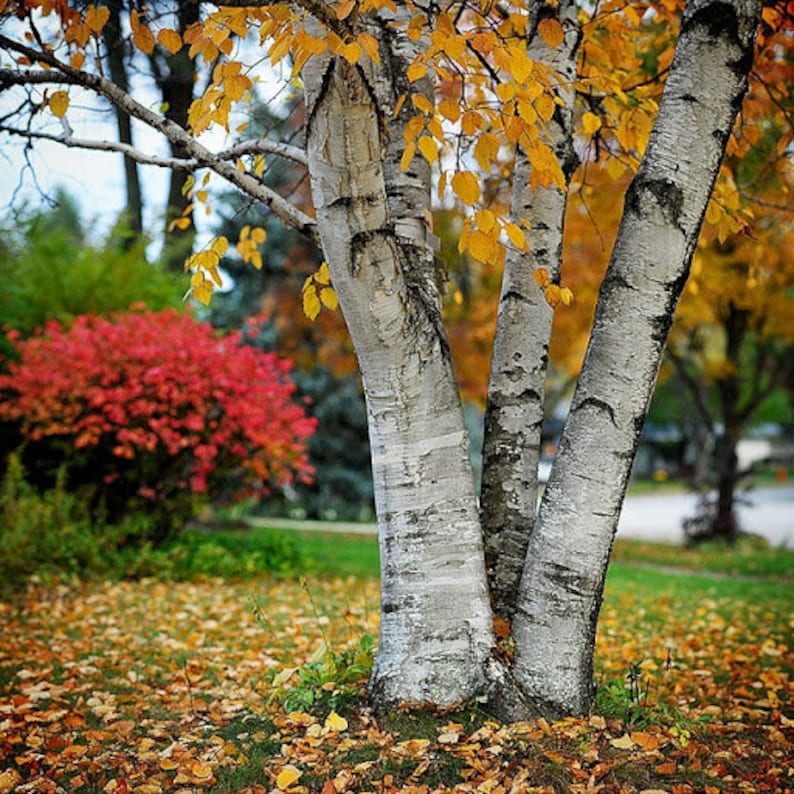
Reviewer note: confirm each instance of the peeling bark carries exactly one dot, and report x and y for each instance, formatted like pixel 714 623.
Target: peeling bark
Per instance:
pixel 562 583
pixel 436 632
pixel 514 414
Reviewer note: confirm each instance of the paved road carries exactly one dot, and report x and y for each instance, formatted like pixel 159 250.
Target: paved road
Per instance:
pixel 652 517
pixel 770 514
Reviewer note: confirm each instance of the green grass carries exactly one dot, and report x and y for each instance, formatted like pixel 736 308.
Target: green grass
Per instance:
pixel 749 557
pixel 751 567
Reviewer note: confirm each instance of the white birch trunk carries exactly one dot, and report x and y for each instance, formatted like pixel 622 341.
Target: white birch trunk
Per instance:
pixel 436 626
pixel 561 588
pixel 514 414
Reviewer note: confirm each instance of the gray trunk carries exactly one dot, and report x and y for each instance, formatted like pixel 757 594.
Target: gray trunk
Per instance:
pixel 561 588
pixel 514 415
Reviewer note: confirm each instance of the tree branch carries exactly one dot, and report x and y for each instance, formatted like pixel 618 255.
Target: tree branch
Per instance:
pixel 318 10
pixel 9 77
pixel 289 214
pixel 249 147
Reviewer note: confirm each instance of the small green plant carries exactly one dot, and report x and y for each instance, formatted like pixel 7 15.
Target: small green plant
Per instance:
pixel 329 681
pixel 626 699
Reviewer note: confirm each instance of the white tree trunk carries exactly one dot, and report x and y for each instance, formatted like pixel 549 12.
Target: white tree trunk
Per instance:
pixel 561 588
pixel 514 415
pixel 436 626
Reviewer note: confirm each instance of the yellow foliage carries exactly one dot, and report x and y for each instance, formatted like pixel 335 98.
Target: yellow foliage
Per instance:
pixel 59 104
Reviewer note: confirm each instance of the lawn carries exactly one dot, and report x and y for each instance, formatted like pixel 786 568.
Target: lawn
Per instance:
pixel 158 686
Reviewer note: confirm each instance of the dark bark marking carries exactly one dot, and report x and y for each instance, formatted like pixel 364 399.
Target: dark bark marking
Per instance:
pixel 718 19
pixel 515 295
pixel 669 197
pixel 599 405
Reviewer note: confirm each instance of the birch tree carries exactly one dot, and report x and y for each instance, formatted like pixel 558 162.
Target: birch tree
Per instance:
pixel 493 106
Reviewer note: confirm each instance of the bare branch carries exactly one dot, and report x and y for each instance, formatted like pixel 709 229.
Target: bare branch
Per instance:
pixel 288 213
pixel 265 146
pixel 175 163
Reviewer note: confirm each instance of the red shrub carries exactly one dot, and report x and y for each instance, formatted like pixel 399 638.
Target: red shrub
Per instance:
pixel 163 402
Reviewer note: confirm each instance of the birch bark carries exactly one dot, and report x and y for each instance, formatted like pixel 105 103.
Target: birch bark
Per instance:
pixel 436 627
pixel 562 583
pixel 514 414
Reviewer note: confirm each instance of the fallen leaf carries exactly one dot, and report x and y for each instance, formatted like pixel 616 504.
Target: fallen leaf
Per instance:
pixel 335 723
pixel 625 742
pixel 288 775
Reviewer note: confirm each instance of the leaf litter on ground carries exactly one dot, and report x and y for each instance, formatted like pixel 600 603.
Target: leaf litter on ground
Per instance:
pixel 152 687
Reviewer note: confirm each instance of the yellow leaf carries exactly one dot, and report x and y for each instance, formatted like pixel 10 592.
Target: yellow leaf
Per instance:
pixel 471 122
pixel 344 8
pixel 288 775
pixel 408 156
pixel 551 32
pixel 179 223
pixel 311 308
pixel 590 123
pixel 516 236
pixel 421 102
pixel 541 276
pixel 544 104
pixel 220 245
pixel 352 52
pixel 553 295
pixel 415 71
pixel 96 18
pixel 615 168
pixel 449 109
pixel 200 771
pixel 398 107
pixel 203 292
pixel 370 45
pixel 59 103
pixel 486 149
pixel 481 246
pixel 566 296
pixel 170 39
pixel 485 221
pixel 428 148
pixel 466 187
pixel 713 211
pixel 236 85
pixel 323 274
pixel 330 301
pixel 335 722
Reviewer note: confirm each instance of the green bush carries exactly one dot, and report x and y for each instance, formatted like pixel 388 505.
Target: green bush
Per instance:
pixel 50 272
pixel 49 533
pixel 52 534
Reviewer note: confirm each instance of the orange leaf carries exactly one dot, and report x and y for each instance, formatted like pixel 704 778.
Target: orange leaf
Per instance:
pixel 143 39
pixel 96 18
pixel 170 39
pixel 667 768
pixel 541 276
pixel 551 32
